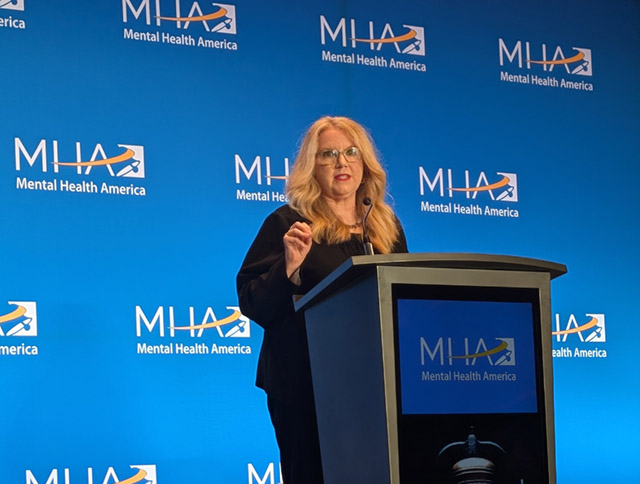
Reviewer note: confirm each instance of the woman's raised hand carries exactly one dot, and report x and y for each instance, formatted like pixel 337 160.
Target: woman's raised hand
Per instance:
pixel 297 243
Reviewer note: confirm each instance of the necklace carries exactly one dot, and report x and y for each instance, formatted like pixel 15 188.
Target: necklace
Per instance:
pixel 355 225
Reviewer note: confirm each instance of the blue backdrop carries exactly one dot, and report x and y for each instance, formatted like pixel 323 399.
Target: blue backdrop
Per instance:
pixel 140 152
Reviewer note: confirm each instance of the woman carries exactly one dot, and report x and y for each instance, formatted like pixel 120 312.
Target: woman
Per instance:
pixel 297 246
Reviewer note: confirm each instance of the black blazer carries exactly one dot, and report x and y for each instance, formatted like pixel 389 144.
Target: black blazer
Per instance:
pixel 265 295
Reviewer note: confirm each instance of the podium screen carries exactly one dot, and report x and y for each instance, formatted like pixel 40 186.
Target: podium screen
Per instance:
pixel 469 384
pixel 466 356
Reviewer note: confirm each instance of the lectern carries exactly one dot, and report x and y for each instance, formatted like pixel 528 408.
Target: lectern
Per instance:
pixel 434 368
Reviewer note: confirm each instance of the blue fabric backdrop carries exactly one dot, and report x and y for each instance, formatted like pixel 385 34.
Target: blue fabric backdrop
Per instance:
pixel 101 260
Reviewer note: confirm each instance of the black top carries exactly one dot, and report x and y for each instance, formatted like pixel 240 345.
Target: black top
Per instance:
pixel 266 294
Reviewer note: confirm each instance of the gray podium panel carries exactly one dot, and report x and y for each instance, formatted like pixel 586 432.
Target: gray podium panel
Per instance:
pixel 348 373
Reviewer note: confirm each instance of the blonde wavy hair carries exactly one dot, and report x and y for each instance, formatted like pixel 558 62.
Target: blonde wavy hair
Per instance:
pixel 304 192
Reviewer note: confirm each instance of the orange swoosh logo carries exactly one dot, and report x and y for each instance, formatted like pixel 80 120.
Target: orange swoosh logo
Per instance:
pixel 408 36
pixel 137 478
pixel 493 351
pixel 15 314
pixel 214 324
pixel 570 60
pixel 127 155
pixel 502 183
pixel 202 18
pixel 579 329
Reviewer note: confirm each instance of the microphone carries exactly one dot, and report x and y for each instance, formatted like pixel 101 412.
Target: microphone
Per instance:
pixel 368 246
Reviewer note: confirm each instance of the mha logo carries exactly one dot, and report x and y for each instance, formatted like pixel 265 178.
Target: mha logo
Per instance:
pixel 261 172
pixel 578 63
pixel 142 474
pixel 235 325
pixel 20 319
pixel 375 38
pixel 502 354
pixel 218 17
pixel 239 324
pixel 121 161
pixel 442 354
pixel 128 163
pixel 12 5
pixel 410 42
pixel 543 66
pixel 502 188
pixel 10 22
pixel 591 331
pixel 181 17
pixel 578 330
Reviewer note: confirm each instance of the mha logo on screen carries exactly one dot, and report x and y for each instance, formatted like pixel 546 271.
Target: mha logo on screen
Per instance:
pixel 372 43
pixel 185 325
pixel 46 165
pixel 136 474
pixel 540 64
pixel 180 22
pixel 18 319
pixel 449 359
pixel 580 336
pixel 466 192
pixel 449 352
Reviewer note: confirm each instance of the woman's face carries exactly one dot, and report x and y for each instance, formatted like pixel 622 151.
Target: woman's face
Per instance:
pixel 339 180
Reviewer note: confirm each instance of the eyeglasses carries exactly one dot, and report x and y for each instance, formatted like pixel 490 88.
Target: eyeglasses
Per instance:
pixel 330 157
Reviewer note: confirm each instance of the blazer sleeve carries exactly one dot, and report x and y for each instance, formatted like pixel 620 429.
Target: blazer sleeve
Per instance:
pixel 264 290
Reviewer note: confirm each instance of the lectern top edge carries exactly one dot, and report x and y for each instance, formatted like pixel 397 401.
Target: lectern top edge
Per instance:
pixel 357 265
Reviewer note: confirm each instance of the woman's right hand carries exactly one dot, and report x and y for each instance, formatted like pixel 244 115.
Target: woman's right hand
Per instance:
pixel 297 243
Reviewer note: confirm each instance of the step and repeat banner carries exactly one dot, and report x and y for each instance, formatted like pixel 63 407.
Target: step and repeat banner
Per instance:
pixel 144 141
